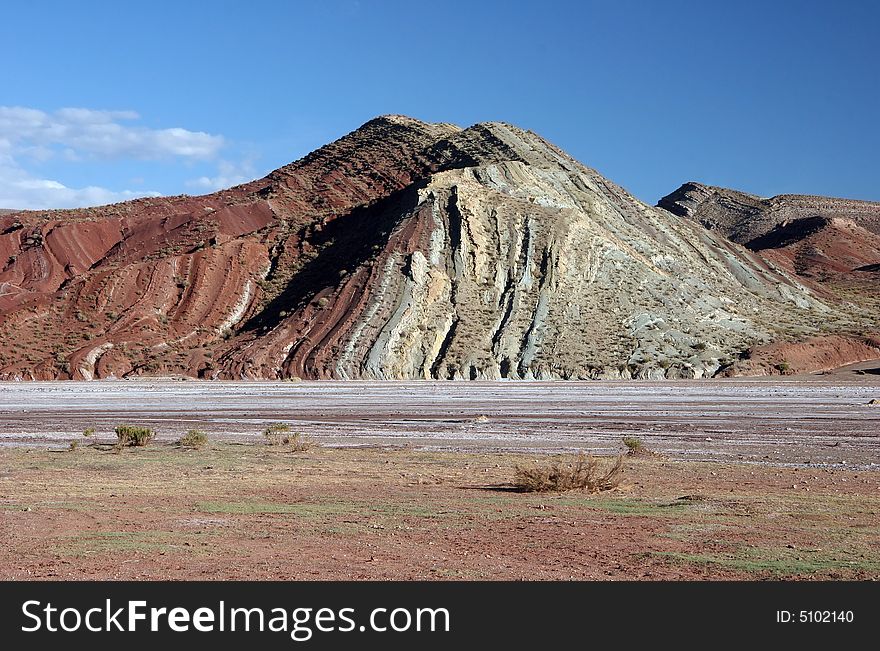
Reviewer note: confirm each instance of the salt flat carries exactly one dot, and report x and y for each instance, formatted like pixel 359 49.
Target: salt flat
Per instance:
pixel 770 421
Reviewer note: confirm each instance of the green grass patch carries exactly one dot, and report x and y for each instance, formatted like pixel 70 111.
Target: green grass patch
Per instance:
pixel 304 509
pixel 788 562
pixel 630 506
pixel 399 510
pixel 111 542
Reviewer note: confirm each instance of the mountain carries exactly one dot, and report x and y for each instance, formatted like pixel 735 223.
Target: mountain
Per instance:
pixel 743 217
pixel 402 250
pixel 831 245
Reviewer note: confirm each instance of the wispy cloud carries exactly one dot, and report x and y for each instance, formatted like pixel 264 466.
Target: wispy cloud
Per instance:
pixel 228 175
pixel 21 189
pixel 30 137
pixel 102 134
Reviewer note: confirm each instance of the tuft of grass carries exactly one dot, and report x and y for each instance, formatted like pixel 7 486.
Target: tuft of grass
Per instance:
pixel 299 442
pixel 194 438
pixel 74 444
pixel 277 433
pixel 280 434
pixel 633 445
pixel 133 435
pixel 89 431
pixel 581 473
pixel 778 562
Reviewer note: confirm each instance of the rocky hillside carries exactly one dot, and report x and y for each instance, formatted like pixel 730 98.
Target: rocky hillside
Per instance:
pixel 831 245
pixel 402 250
pixel 743 217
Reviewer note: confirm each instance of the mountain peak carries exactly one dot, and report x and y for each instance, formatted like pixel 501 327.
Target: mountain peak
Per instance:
pixel 404 249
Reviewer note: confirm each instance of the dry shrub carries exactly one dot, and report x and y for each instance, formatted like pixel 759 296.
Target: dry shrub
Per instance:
pixel 279 434
pixel 581 473
pixel 298 442
pixel 133 435
pixel 194 438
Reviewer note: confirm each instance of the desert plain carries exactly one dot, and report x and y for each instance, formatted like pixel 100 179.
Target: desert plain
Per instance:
pixel 773 478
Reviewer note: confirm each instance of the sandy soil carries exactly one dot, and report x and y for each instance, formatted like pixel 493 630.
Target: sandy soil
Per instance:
pixel 769 479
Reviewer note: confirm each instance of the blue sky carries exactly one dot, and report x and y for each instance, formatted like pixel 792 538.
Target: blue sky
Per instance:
pixel 106 100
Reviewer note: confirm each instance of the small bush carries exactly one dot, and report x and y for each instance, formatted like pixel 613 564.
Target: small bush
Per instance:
pixel 581 473
pixel 74 444
pixel 133 435
pixel 89 431
pixel 783 367
pixel 633 445
pixel 276 433
pixel 194 438
pixel 299 442
pixel 279 434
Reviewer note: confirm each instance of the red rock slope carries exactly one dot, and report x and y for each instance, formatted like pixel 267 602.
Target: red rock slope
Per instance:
pixel 832 245
pixel 402 250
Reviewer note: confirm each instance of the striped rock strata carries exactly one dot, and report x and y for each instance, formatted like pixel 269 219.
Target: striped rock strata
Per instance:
pixel 403 250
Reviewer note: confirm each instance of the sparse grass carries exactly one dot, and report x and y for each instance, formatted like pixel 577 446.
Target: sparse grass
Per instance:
pixel 781 562
pixel 133 436
pixel 89 431
pixel 633 445
pixel 304 509
pixel 74 444
pixel 581 473
pixel 122 542
pixel 634 507
pixel 194 438
pixel 279 434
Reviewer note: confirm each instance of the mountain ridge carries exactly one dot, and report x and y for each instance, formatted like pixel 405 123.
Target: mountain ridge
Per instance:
pixel 401 250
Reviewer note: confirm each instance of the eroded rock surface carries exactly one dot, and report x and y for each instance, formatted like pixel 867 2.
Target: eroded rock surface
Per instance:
pixel 402 250
pixel 831 245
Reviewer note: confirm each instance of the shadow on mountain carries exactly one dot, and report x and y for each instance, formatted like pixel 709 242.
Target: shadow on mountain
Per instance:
pixel 343 244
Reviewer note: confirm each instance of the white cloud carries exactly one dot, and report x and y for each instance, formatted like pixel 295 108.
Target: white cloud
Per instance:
pixel 22 190
pixel 102 134
pixel 228 175
pixel 30 137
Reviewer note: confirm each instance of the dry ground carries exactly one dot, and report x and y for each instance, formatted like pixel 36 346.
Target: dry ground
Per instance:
pixel 252 511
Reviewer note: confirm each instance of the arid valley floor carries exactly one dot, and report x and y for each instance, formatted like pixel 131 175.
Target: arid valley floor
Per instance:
pixel 770 478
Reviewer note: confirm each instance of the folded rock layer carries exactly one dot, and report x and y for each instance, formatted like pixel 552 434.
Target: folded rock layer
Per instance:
pixel 402 250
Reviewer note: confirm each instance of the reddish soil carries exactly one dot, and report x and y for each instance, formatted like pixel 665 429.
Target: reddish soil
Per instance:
pixel 820 247
pixel 813 355
pixel 260 512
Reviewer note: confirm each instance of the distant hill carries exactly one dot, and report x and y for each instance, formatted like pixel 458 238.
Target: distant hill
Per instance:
pixel 402 250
